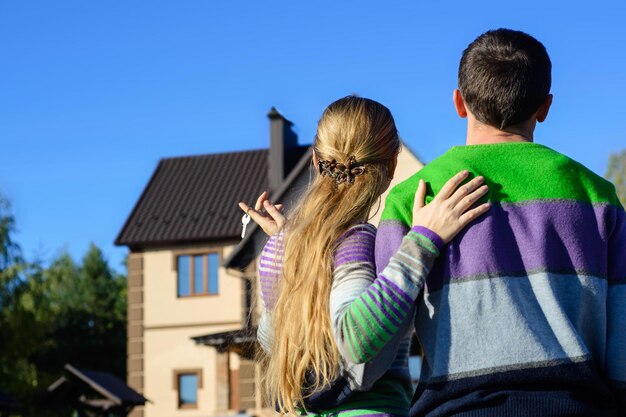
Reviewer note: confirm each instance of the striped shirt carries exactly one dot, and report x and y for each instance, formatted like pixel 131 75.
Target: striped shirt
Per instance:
pixel 524 313
pixel 371 319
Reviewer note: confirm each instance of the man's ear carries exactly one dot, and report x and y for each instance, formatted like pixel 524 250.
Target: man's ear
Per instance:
pixel 459 103
pixel 542 113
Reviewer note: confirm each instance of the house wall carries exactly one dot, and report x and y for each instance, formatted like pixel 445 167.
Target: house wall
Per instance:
pixel 408 164
pixel 169 323
pixel 162 307
pixel 170 350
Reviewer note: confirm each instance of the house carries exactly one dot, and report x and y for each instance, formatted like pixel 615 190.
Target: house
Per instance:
pixel 91 393
pixel 191 278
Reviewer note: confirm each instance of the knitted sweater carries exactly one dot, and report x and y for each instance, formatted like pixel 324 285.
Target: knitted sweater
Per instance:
pixel 524 313
pixel 371 318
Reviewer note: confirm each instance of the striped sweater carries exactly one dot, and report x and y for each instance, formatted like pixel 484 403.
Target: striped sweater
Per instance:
pixel 371 319
pixel 524 313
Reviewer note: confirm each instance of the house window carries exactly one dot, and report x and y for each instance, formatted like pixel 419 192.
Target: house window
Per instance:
pixel 197 274
pixel 187 383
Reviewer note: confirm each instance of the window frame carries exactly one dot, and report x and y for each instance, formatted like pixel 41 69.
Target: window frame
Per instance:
pixel 176 385
pixel 205 273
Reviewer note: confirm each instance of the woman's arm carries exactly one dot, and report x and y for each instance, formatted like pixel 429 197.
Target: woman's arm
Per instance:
pixel 366 310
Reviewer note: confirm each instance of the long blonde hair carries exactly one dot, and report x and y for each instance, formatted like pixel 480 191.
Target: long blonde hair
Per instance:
pixel 304 357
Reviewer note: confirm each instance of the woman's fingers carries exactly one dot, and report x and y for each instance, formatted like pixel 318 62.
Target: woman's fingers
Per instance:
pixel 449 187
pixel 420 195
pixel 473 214
pixel 259 202
pixel 464 191
pixel 274 213
pixel 469 200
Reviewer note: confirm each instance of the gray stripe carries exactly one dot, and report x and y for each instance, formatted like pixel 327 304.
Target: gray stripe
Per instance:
pixel 512 321
pixel 516 367
pixel 521 274
pixel 616 345
pixel 553 201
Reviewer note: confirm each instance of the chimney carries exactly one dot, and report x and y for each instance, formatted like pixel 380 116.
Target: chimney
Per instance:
pixel 283 152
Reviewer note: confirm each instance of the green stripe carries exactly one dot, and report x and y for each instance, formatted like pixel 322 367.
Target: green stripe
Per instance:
pixel 378 399
pixel 348 324
pixel 362 349
pixel 370 302
pixel 424 242
pixel 372 343
pixel 515 172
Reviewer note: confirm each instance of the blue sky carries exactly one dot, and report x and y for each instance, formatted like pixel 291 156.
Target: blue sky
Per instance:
pixel 93 93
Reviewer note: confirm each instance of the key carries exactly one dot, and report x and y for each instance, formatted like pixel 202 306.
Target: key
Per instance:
pixel 244 222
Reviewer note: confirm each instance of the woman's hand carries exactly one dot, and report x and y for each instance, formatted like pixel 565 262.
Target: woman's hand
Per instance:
pixel 271 220
pixel 449 212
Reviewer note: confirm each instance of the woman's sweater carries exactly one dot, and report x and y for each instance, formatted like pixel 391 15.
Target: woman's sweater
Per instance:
pixel 371 318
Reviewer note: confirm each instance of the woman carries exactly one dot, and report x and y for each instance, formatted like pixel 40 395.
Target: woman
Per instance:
pixel 337 336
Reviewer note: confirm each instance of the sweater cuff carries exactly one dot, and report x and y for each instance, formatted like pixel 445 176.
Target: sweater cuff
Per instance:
pixel 433 237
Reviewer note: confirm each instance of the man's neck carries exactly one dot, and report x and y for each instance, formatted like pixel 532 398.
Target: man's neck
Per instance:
pixel 481 134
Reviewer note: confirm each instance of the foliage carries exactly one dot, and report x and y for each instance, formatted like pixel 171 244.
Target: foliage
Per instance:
pixel 616 172
pixel 65 313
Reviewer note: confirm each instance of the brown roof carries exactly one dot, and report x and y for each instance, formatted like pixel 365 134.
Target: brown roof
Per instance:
pixel 194 198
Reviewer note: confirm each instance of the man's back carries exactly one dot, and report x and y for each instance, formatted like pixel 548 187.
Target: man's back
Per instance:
pixel 526 309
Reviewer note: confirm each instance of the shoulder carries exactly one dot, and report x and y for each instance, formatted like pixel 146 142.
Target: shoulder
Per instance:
pixel 399 201
pixel 356 244
pixel 593 188
pixel 358 234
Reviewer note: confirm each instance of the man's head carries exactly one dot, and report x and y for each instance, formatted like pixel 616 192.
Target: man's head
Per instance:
pixel 504 77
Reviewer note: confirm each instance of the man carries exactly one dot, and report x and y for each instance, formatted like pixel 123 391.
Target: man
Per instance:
pixel 524 313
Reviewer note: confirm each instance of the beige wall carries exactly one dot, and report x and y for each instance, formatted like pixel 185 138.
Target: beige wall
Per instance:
pixel 168 350
pixel 170 322
pixel 408 164
pixel 163 308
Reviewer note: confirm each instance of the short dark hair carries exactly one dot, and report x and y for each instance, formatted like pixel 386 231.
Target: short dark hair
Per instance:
pixel 504 76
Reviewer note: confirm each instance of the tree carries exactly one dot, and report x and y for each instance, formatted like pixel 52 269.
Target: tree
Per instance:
pixel 616 173
pixel 67 312
pixel 87 308
pixel 20 332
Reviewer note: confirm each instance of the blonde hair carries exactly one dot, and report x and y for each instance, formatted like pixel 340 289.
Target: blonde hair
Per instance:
pixel 304 358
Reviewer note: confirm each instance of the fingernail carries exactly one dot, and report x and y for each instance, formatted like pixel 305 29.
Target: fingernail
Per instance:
pixel 266 203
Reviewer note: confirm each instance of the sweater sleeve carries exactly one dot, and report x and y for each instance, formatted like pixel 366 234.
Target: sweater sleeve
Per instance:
pixel 269 266
pixel 368 310
pixel 616 308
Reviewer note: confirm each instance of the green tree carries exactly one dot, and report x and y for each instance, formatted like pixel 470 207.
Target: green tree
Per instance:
pixel 87 313
pixel 616 173
pixel 20 333
pixel 67 312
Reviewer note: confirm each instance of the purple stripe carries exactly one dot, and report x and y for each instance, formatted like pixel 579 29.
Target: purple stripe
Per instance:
pixel 399 290
pixel 393 295
pixel 617 250
pixel 339 262
pixel 378 300
pixel 563 237
pixel 358 251
pixel 264 257
pixel 430 235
